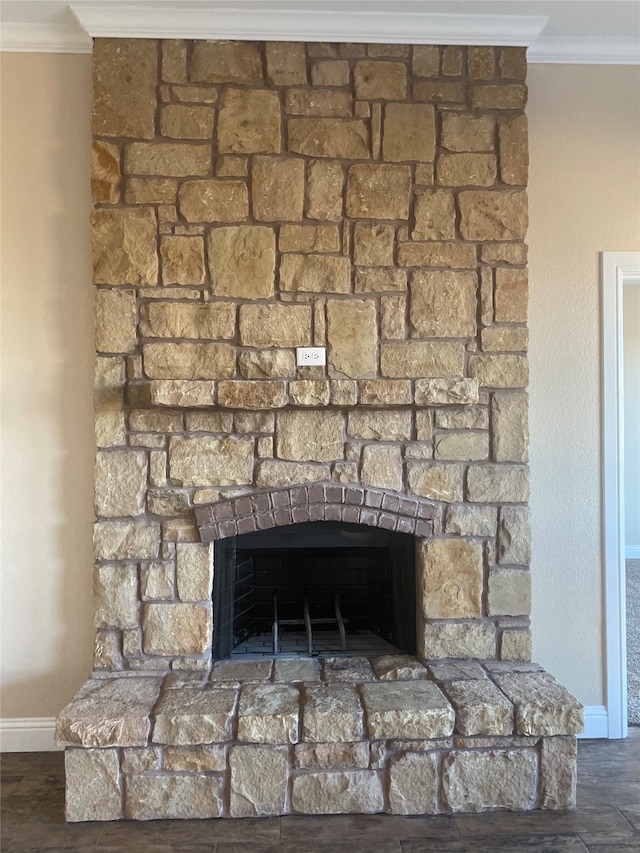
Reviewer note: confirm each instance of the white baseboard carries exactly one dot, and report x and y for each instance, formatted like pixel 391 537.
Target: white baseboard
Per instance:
pixel 28 734
pixel 596 723
pixel 632 553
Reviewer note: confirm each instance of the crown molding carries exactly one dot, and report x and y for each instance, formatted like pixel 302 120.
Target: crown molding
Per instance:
pixel 44 38
pixel 585 51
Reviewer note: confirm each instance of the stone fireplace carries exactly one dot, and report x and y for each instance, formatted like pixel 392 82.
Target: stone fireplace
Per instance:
pixel 252 199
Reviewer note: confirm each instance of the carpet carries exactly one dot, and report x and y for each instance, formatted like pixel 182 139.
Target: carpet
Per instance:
pixel 633 641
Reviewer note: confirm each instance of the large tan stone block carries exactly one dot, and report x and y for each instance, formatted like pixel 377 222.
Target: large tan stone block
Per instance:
pixel 514 536
pixel 426 60
pixel 380 80
pixel 226 62
pixel 384 392
pixel 420 359
pixel 214 201
pixel 150 191
pixel 478 781
pixel 352 338
pixel 443 304
pixel 210 321
pixel 446 392
pixel 277 190
pixel 178 121
pixel 406 709
pixel 258 780
pixel 464 446
pixel 120 482
pixel 115 321
pixel 462 170
pixel 481 63
pixel 195 759
pixel 92 785
pixel 194 571
pixel 514 152
pixel 470 520
pixel 275 325
pixel 509 592
pixel 205 461
pixel 167 159
pixel 296 669
pixel 467 132
pixel 115 540
pixel 510 420
pixel 381 280
pixel 378 191
pixel 515 645
pixel 436 480
pixel 413 784
pixel 471 417
pixel 268 713
pixel 382 467
pixel 511 96
pixel 315 102
pixel 504 339
pixel 481 709
pixel 398 668
pixel 252 395
pixel 325 180
pixel 242 261
pixel 176 629
pixel 435 216
pixel 105 172
pixel 115 595
pixel 408 133
pixel 331 714
pixel 373 244
pixel 267 364
pixel 543 706
pixel 124 246
pixel 380 425
pixel 194 716
pixel 120 109
pixel 310 436
pixel 182 260
pixel 310 392
pixel 242 671
pixel 500 371
pixel 504 253
pixel 275 473
pixel 181 392
pixel 188 361
pixel 330 72
pixel 511 295
pixel 493 214
pixel 452 578
pixel 463 640
pixel 328 756
pixel 176 796
pixel 498 484
pixel 286 65
pixel 315 274
pixel 338 792
pixel 309 238
pixel 249 122
pixel 558 771
pixel 451 255
pixel 339 138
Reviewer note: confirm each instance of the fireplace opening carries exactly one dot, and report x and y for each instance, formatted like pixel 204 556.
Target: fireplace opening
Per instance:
pixel 319 588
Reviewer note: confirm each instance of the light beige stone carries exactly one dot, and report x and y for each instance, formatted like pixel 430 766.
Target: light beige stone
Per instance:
pixel 424 430
pixel 493 214
pixel 252 395
pixel 398 668
pixel 330 72
pixel 249 122
pixel 347 670
pixel 194 716
pixel 115 540
pixel 378 191
pixel 465 446
pixel 115 321
pixel 277 188
pixel 500 371
pixel 296 669
pixel 498 484
pixel 109 711
pixel 205 461
pixel 310 436
pixel 452 574
pixel 150 191
pixel 226 62
pixel 92 785
pixel 168 502
pixel 214 201
pixel 267 364
pixel 309 392
pixel 435 215
pixel 511 295
pixel 195 94
pixel 242 261
pixel 478 781
pixel 315 102
pixel 286 64
pixel 470 520
pixel 156 581
pixel 275 473
pixel 105 172
pixel 513 62
pixel 380 280
pixel 331 714
pixel 231 166
pixel 543 706
pixel 188 361
pixel 441 392
pixel 309 238
pixel 558 771
pixel 443 304
pixel 258 780
pixel 328 756
pixel 515 646
pixel 140 760
pixel 120 109
pixel 406 709
pixel 174 61
pixel 179 121
pixel 504 253
pixel 426 60
pixel 339 138
pixel 275 325
pixel 380 80
pixel 408 133
pixel 436 480
pixel 182 260
pixel 211 320
pixel 467 132
pixel 439 91
pixel 461 170
pixel 470 417
pixel 178 796
pixel 241 670
pixel 514 536
pixel 209 422
pixel 511 96
pixel 509 592
pixel 509 414
pixel 268 713
pixel 382 467
pixel 124 246
pixel 115 593
pixel 343 392
pixel 451 255
pixel 176 629
pixel 504 339
pixel 481 709
pixel 392 425
pixel 384 392
pixel 392 317
pixel 481 63
pixel 462 640
pixel 324 190
pixel 420 359
pixel 120 482
pixel 373 244
pixel 452 60
pixel 338 792
pixel 315 274
pixel 514 153
pixel 457 671
pixel 254 422
pixel 202 758
pixel 352 338
pixel 179 392
pixel 167 159
pixel 413 785
pixel 194 571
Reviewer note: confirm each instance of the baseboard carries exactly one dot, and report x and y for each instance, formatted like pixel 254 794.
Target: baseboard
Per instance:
pixel 632 553
pixel 28 734
pixel 596 723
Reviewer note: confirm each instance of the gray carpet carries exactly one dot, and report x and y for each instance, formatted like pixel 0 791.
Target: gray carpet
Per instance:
pixel 633 641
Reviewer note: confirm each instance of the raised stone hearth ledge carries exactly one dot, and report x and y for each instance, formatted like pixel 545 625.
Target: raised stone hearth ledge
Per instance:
pixel 320 736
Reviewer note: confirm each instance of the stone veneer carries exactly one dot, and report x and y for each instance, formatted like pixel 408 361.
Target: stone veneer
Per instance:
pixel 252 198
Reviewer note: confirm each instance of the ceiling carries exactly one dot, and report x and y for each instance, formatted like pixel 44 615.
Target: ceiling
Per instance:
pixel 590 31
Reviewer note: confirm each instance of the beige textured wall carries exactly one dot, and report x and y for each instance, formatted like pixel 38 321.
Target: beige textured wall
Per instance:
pixel 584 199
pixel 584 139
pixel 47 376
pixel 631 344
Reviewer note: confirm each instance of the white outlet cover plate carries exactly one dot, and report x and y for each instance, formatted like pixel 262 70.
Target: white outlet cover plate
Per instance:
pixel 311 356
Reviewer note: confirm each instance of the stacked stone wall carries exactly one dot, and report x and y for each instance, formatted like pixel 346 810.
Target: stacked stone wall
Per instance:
pixel 253 198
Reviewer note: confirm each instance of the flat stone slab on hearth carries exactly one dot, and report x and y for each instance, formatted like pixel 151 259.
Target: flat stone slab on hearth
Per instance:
pixel 406 709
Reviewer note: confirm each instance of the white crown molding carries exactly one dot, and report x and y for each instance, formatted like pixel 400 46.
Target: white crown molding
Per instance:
pixel 585 51
pixel 44 38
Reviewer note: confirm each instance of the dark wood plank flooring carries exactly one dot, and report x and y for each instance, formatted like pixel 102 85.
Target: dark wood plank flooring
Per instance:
pixel 607 819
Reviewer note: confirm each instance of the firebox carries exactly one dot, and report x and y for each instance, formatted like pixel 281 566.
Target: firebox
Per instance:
pixel 315 588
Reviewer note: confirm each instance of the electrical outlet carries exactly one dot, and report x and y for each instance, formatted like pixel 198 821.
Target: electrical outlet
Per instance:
pixel 311 356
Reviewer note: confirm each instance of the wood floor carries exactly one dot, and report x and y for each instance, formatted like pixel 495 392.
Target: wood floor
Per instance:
pixel 607 819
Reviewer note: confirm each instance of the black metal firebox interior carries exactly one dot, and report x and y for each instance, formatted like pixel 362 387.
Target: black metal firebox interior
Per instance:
pixel 315 588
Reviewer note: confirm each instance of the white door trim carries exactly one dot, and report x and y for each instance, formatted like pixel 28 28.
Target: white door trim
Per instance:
pixel 616 268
